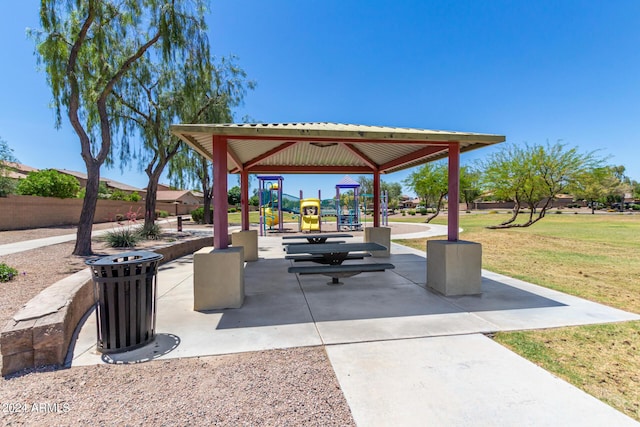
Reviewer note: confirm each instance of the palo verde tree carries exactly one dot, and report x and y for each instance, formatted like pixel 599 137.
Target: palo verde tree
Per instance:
pixel 89 48
pixel 595 184
pixel 431 183
pixel 221 88
pixel 533 176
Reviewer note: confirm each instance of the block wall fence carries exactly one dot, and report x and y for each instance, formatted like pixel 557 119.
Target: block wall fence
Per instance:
pixel 21 212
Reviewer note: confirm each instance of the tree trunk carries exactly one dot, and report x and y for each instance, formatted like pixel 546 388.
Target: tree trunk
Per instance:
pixel 85 223
pixel 438 207
pixel 150 202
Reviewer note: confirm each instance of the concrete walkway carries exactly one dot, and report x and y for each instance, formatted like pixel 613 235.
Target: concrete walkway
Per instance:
pixel 402 354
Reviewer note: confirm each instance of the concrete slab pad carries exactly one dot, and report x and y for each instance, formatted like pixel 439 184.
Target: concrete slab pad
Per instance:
pixel 458 381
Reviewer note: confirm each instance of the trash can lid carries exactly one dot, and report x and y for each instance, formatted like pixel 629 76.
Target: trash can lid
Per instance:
pixel 133 257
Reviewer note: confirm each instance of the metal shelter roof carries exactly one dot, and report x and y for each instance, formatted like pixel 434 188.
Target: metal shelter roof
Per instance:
pixel 326 147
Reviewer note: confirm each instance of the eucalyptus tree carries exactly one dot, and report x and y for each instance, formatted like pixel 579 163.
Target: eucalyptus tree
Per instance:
pixel 221 87
pixel 89 48
pixel 533 176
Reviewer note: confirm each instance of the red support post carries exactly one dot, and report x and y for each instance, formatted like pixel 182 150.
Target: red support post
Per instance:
pixel 220 204
pixel 454 192
pixel 376 199
pixel 244 199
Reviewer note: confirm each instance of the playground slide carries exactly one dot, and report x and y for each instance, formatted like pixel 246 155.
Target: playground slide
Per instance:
pixel 310 219
pixel 270 217
pixel 290 204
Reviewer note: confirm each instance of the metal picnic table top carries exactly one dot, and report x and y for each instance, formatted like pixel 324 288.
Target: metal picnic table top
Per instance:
pixel 333 248
pixel 316 238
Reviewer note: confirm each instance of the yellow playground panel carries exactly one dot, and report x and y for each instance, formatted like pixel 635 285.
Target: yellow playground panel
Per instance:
pixel 310 215
pixel 270 218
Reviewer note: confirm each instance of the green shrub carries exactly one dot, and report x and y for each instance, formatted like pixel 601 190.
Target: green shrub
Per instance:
pixel 150 233
pixel 558 212
pixel 635 207
pixel 404 213
pixel 133 197
pixel 49 183
pixel 118 195
pixel 7 273
pixel 412 212
pixel 197 215
pixel 232 210
pixel 122 237
pixel 423 211
pixel 161 213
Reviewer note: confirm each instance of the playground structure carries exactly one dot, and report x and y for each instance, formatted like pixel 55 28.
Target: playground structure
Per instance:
pixel 351 218
pixel 270 194
pixel 310 211
pixel 384 206
pixel 310 219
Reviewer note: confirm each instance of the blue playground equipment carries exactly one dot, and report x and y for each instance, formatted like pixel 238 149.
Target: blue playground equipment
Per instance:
pixel 273 202
pixel 348 216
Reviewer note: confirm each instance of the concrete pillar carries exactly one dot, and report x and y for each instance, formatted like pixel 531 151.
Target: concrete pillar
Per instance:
pixel 454 268
pixel 249 241
pixel 218 278
pixel 380 235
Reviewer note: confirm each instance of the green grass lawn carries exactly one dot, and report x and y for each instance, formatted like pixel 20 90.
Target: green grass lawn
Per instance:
pixel 596 257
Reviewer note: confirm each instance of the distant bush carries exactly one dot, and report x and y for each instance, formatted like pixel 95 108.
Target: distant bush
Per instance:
pixel 635 207
pixel 197 215
pixel 7 273
pixel 49 183
pixel 232 210
pixel 134 197
pixel 558 212
pixel 412 212
pixel 404 213
pixel 161 213
pixel 423 211
pixel 118 195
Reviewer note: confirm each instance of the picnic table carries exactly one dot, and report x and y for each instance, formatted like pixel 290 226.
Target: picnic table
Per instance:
pixel 332 256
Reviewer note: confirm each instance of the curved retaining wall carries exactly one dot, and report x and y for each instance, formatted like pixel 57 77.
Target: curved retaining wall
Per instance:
pixel 40 333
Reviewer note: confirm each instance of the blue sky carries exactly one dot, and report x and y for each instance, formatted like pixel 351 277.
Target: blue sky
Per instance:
pixel 534 71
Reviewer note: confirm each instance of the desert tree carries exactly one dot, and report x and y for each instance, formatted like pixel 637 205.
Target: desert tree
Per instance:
pixel 90 48
pixel 532 176
pixel 431 183
pixel 221 88
pixel 6 158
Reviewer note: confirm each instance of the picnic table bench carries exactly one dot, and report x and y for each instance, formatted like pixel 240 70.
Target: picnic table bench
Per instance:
pixel 332 256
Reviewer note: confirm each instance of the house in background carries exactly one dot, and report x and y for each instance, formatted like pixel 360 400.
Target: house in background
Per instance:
pixel 183 197
pixel 111 184
pixel 407 202
pixel 18 171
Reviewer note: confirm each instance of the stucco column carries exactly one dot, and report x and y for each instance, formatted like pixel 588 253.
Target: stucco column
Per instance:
pixel 454 191
pixel 220 204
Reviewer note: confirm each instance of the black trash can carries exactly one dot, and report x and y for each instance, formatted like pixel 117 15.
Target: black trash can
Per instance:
pixel 125 288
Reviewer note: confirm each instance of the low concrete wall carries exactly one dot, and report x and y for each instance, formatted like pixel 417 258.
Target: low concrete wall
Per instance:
pixel 40 333
pixel 20 212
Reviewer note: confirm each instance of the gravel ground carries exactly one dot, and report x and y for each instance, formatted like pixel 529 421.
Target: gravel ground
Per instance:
pixel 279 387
